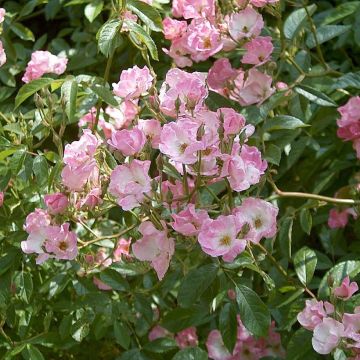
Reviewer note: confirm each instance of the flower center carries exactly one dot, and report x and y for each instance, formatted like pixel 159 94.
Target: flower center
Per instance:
pixel 207 43
pixel 63 245
pixel 258 223
pixel 182 148
pixel 225 241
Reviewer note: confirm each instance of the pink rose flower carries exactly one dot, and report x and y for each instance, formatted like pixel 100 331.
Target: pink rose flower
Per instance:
pixel 339 219
pixel 233 121
pixel 92 199
pixel 133 83
pixel 173 28
pixel 189 9
pixel 56 203
pixel 2 15
pixel 123 116
pixel 351 323
pixel 245 24
pixel 154 246
pixel 314 313
pixel 1 198
pixel 216 348
pixel 202 40
pixel 188 222
pixel 2 54
pixel 179 53
pixel 258 51
pixel 175 192
pixel 152 130
pixel 158 332
pixel 327 336
pixel 262 3
pixel 219 238
pixel 346 290
pixel 89 120
pixel 129 182
pixel 182 92
pixel 61 242
pixel 122 248
pixel 43 62
pixel 129 142
pixel 260 215
pixel 187 338
pixel 37 221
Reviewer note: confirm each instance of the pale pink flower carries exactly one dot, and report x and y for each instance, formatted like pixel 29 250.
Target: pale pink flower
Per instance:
pixel 202 40
pixel 36 221
pixel 221 75
pixel 1 198
pixel 262 3
pixel 43 62
pixel 179 52
pixel 339 219
pixel 216 348
pixel 92 198
pixel 246 24
pixel 154 246
pixel 244 167
pixel 182 92
pixel 188 222
pixel 187 338
pixel 2 15
pixel 122 248
pixel 314 313
pixel 101 285
pixel 133 82
pixel 158 332
pixel 173 28
pixel 254 90
pixel 175 191
pixel 258 51
pixel 129 183
pixel 129 142
pixel 89 120
pixel 152 130
pixel 260 215
pixel 61 242
pixel 219 238
pixel 124 115
pixel 346 290
pixel 2 54
pixel 189 9
pixel 179 141
pixel 327 336
pixel 351 323
pixel 233 121
pixel 56 203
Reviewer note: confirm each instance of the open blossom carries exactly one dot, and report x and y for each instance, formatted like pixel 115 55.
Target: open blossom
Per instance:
pixel 261 3
pixel 2 54
pixel 188 222
pixel 233 121
pixel 246 24
pixel 260 215
pixel 129 183
pixel 56 203
pixel 123 116
pixel 91 199
pixel 216 348
pixel 179 53
pixel 173 28
pixel 129 142
pixel 187 338
pixel 152 130
pixel 219 238
pixel 351 324
pixel 327 336
pixel 258 50
pixel 122 248
pixel 244 167
pixel 189 9
pixel 339 219
pixel 43 62
pixel 314 313
pixel 133 83
pixel 182 92
pixel 178 141
pixel 61 242
pixel 346 290
pixel 202 40
pixel 154 246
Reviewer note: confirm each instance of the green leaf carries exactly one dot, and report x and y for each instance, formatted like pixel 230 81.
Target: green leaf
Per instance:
pixel 300 347
pixel 203 277
pixel 336 274
pixel 315 96
pixel 285 236
pixel 121 333
pixel 254 314
pixel 342 11
pixel 193 353
pixel 305 261
pixel 273 154
pixel 349 80
pixel 108 36
pixel 69 93
pixel 161 345
pixel 22 32
pixel 326 33
pixel 114 279
pixel 93 9
pixel 143 37
pixel 147 13
pixel 133 354
pixel 282 122
pixel 32 353
pixel 306 220
pixel 30 89
pixel 104 94
pixel 296 21
pixel 80 330
pixel 26 286
pixel 228 326
pixel 41 170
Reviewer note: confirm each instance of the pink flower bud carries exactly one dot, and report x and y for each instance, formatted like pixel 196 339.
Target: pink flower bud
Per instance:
pixel 56 203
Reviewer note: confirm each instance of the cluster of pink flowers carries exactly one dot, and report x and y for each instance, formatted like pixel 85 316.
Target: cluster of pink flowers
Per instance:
pixel 331 327
pixel 349 123
pixel 2 51
pixel 47 238
pixel 247 346
pixel 43 62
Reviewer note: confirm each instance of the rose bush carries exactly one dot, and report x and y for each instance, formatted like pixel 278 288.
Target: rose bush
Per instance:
pixel 179 180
